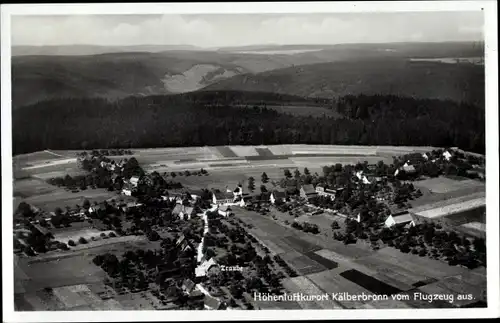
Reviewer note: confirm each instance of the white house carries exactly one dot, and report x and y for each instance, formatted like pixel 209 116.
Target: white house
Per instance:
pixel 202 269
pixel 447 155
pixel 425 156
pixel 222 198
pixel 399 220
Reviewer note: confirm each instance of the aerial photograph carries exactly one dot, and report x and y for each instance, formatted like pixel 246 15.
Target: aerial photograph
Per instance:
pixel 248 161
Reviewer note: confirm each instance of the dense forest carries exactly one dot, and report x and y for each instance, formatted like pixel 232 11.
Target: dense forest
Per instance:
pixel 205 118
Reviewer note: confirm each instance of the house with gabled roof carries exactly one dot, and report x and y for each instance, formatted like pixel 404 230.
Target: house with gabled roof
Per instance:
pixel 277 195
pixel 204 267
pixel 400 219
pixel 307 191
pixel 221 198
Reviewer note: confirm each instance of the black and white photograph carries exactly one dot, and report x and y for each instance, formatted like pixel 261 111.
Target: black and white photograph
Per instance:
pixel 250 160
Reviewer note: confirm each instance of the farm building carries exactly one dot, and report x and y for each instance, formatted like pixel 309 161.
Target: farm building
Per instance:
pixel 225 210
pixel 277 195
pixel 400 219
pixel 455 211
pixel 307 191
pixel 322 191
pixel 183 212
pixel 221 198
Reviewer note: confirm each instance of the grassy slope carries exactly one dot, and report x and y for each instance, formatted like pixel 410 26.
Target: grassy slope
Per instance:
pixel 380 76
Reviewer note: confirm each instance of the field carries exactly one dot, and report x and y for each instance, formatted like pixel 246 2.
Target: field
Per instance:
pixel 31 187
pixel 75 280
pixel 328 266
pixel 445 185
pixel 62 198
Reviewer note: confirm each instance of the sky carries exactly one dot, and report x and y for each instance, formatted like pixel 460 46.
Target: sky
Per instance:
pixel 218 30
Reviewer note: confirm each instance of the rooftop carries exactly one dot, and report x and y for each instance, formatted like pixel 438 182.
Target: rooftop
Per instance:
pixel 404 218
pixel 308 189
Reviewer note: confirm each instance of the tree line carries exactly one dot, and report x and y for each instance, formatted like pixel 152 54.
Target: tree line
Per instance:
pixel 176 121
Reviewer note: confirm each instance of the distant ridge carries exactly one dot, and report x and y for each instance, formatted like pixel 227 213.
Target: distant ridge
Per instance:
pixel 75 50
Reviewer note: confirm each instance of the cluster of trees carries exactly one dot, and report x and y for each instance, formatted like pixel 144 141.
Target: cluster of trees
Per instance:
pixel 424 239
pixel 136 269
pixel 306 227
pixel 105 152
pixel 290 272
pixel 436 164
pixel 189 173
pixel 99 176
pixel 184 121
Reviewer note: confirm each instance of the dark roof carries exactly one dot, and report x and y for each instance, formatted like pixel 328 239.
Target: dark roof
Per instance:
pixel 308 189
pixel 212 302
pixel 223 195
pixel 265 196
pixel 279 194
pixel 196 192
pixel 41 229
pixel 188 285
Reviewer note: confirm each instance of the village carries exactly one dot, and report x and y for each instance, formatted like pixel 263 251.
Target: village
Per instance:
pixel 207 257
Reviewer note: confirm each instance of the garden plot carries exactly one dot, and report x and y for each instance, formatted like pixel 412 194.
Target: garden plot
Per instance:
pixel 368 282
pixel 300 245
pixel 331 282
pixel 394 271
pixel 153 155
pixel 225 151
pixel 305 286
pixel 243 151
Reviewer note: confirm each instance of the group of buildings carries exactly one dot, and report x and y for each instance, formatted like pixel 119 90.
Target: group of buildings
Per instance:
pixel 466 214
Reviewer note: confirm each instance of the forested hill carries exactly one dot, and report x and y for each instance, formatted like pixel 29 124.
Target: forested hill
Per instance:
pixel 185 120
pixel 419 79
